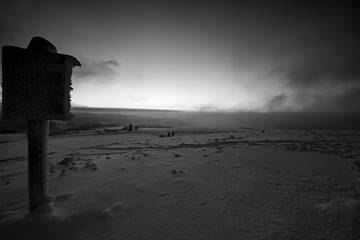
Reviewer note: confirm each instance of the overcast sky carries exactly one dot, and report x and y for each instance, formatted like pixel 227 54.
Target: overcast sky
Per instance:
pixel 207 55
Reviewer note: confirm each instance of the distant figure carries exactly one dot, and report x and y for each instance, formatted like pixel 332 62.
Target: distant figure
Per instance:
pixel 173 134
pixel 169 134
pixel 136 127
pixel 130 127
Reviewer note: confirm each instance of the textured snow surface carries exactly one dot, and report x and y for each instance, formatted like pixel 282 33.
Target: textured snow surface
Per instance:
pixel 244 184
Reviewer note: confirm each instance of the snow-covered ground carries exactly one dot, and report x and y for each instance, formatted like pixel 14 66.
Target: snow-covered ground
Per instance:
pixel 243 184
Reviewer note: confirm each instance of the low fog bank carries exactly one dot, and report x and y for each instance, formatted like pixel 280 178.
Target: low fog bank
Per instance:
pixel 229 120
pixel 95 118
pixel 278 120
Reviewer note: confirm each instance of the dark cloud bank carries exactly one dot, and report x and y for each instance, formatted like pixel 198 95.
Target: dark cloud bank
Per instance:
pixel 325 75
pixel 322 84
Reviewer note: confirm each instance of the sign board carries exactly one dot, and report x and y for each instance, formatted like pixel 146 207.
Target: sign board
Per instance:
pixel 36 85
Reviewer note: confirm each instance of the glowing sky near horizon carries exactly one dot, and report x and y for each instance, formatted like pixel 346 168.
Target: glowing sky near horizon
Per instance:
pixel 208 55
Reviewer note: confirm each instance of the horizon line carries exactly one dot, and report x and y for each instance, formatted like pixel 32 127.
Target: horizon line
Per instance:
pixel 209 111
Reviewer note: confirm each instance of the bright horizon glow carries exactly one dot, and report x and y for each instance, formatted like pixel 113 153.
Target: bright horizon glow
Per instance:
pixel 181 76
pixel 182 92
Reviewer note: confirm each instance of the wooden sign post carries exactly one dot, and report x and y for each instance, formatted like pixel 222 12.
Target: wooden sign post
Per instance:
pixel 36 88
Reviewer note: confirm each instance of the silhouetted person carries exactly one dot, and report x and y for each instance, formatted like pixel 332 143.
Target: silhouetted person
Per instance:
pixel 173 134
pixel 169 134
pixel 130 127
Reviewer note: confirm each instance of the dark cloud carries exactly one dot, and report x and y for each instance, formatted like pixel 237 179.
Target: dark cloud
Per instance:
pixel 329 70
pixel 277 103
pixel 324 74
pixel 105 70
pixel 346 101
pixel 328 84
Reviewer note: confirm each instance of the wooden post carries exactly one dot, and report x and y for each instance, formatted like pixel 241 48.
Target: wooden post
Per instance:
pixel 37 132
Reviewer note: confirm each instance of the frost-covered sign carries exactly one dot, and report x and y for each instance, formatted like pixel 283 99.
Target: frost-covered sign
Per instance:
pixel 36 84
